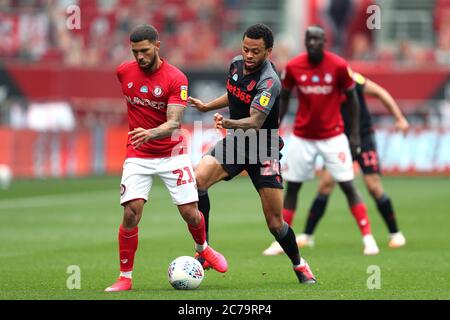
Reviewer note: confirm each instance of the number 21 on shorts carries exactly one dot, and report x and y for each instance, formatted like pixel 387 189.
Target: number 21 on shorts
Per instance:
pixel 180 173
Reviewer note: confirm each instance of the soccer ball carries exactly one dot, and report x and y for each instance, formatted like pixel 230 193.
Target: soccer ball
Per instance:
pixel 5 176
pixel 185 273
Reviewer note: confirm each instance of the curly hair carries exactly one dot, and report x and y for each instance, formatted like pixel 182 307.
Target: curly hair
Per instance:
pixel 258 31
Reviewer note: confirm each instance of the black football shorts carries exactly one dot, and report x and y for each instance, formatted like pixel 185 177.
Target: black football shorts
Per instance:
pixel 263 173
pixel 368 159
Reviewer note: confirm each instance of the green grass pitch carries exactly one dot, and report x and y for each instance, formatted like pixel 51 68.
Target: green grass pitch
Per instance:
pixel 47 226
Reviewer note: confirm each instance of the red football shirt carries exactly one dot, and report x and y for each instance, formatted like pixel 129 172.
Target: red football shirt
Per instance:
pixel 319 93
pixel 147 96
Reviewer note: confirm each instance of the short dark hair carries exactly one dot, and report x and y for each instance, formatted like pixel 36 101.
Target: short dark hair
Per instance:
pixel 317 26
pixel 258 31
pixel 144 32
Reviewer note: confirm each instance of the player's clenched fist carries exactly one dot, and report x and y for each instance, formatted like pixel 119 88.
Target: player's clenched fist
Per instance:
pixel 218 118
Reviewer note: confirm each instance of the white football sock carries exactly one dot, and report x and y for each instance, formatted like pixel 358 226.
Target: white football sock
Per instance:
pixel 201 247
pixel 126 274
pixel 302 263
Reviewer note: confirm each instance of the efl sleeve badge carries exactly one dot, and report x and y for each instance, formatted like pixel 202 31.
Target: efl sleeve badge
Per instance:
pixel 264 99
pixel 184 93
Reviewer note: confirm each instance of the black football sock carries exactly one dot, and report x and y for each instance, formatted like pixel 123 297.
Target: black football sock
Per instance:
pixel 316 212
pixel 286 239
pixel 204 206
pixel 384 206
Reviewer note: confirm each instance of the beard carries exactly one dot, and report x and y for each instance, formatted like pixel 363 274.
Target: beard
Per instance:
pixel 150 65
pixel 253 67
pixel 315 56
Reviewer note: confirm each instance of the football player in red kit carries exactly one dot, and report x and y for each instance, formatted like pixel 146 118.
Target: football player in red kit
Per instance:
pixel 321 78
pixel 368 162
pixel 156 95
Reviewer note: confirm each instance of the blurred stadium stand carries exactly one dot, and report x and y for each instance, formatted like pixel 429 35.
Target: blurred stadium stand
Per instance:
pixel 69 75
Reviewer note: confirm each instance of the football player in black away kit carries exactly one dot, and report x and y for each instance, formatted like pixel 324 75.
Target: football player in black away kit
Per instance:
pixel 252 144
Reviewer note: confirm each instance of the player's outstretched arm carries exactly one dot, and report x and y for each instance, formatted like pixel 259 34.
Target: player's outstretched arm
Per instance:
pixel 375 90
pixel 140 136
pixel 218 103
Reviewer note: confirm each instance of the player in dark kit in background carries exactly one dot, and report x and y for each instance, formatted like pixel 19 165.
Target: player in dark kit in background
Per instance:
pixel 253 90
pixel 156 95
pixel 368 162
pixel 321 78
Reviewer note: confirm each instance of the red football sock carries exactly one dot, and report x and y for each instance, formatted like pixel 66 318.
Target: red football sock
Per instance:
pixel 198 232
pixel 359 211
pixel 288 215
pixel 128 242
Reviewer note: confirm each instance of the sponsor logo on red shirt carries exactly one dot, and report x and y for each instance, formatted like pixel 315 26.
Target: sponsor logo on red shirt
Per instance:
pixel 136 101
pixel 316 89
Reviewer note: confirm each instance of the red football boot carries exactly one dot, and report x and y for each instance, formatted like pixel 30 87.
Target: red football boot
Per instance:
pixel 215 259
pixel 304 274
pixel 122 284
pixel 205 264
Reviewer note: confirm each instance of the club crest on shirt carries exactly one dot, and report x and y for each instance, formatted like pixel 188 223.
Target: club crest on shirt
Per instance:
pixel 251 85
pixel 265 99
pixel 144 89
pixel 184 93
pixel 157 91
pixel 130 84
pixel 328 78
pixel 235 77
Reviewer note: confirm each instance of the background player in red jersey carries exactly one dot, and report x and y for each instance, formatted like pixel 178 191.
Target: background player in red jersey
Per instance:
pixel 156 95
pixel 368 162
pixel 253 91
pixel 321 78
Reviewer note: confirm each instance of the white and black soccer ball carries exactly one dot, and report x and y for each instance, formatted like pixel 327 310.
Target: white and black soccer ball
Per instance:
pixel 5 176
pixel 185 273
